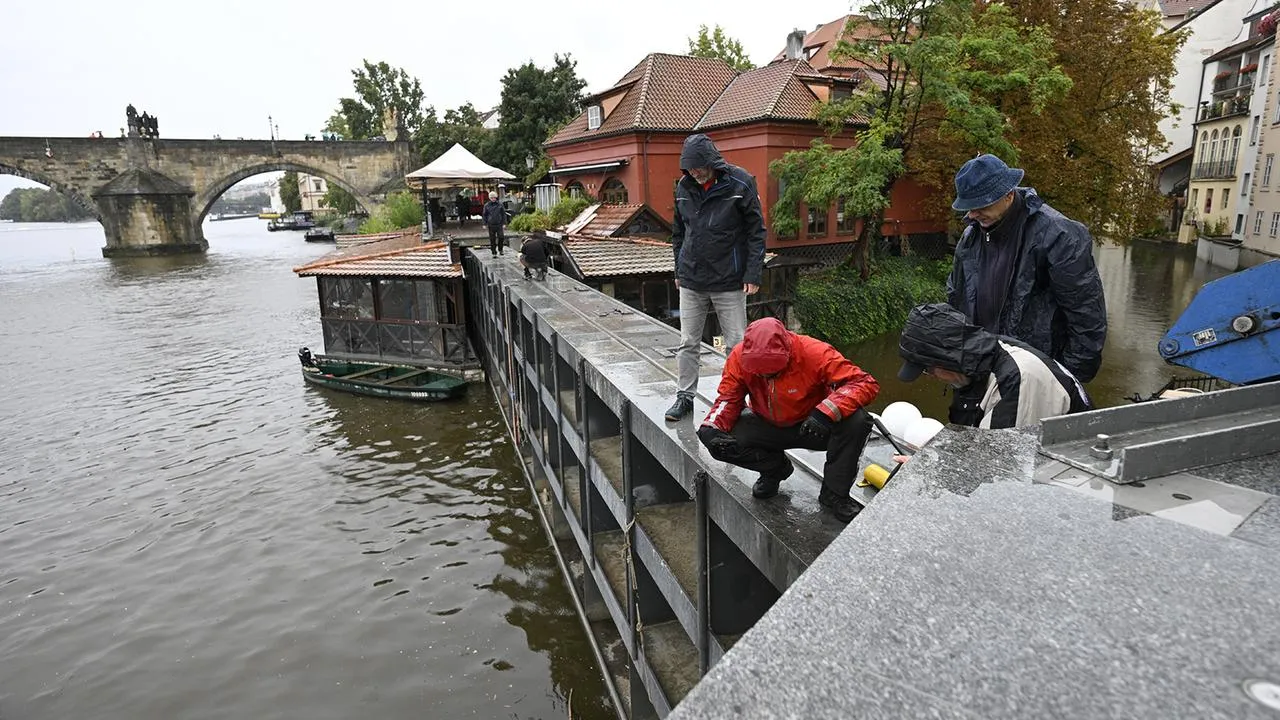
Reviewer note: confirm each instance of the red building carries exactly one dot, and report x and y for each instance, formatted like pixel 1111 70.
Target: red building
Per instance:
pixel 625 146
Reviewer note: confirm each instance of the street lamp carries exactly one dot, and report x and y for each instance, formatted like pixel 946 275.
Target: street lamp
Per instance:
pixel 528 161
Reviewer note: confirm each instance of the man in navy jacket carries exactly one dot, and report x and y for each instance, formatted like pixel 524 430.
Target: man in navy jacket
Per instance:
pixel 718 239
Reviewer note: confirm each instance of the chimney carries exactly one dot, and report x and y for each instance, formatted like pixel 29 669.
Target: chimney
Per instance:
pixel 795 44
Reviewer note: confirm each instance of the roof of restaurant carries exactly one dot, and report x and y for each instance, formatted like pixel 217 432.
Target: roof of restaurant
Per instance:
pixel 601 257
pixel 771 92
pixel 400 256
pixel 610 219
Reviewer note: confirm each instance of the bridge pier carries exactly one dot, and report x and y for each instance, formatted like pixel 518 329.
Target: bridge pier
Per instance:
pixel 146 213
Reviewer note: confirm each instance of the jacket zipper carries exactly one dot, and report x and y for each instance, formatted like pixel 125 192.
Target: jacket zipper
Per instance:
pixel 772 414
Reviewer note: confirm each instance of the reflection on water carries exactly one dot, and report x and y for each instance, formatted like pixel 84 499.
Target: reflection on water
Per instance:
pixel 1147 286
pixel 189 530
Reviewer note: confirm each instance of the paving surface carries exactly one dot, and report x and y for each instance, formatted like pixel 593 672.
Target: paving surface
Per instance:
pixel 967 589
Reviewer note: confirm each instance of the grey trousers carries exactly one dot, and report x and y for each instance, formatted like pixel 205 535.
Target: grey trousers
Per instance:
pixel 731 309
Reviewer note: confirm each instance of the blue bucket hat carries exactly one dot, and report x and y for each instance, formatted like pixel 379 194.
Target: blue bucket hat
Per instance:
pixel 982 181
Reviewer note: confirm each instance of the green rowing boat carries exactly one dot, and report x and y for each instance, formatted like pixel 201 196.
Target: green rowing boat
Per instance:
pixel 379 380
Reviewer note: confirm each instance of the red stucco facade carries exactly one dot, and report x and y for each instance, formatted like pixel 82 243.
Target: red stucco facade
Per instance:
pixel 653 167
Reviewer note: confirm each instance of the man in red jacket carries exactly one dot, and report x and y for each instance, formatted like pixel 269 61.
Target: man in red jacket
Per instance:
pixel 804 394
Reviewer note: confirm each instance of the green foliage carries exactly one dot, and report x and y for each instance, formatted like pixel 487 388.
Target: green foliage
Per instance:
pixel 339 199
pixel 953 68
pixel 1218 228
pixel 40 205
pixel 529 222
pixel 462 125
pixel 716 44
pixel 838 307
pixel 538 172
pixel 567 209
pixel 379 88
pixel 289 193
pixel 534 103
pixel 401 210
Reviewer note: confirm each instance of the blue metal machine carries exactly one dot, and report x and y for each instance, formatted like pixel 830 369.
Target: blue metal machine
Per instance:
pixel 1227 330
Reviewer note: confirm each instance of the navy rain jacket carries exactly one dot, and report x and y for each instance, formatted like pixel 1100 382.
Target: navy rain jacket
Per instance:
pixel 718 234
pixel 1054 302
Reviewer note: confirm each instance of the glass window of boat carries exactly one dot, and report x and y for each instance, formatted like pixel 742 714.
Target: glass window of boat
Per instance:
pixel 347 297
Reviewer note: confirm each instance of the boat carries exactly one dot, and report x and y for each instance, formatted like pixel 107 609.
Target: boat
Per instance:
pixel 320 234
pixel 268 215
pixel 401 382
pixel 297 220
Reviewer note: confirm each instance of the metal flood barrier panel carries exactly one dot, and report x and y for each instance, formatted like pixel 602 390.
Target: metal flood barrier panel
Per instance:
pixel 668 556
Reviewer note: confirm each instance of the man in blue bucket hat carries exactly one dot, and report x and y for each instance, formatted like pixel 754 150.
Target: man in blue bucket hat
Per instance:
pixel 1024 270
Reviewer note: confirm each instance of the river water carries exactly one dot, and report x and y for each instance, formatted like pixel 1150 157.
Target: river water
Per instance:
pixel 187 530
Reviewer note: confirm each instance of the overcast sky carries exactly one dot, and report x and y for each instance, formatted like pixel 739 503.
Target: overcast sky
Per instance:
pixel 204 68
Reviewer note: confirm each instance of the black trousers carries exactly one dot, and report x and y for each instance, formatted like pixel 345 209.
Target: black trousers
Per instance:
pixel 497 241
pixel 761 444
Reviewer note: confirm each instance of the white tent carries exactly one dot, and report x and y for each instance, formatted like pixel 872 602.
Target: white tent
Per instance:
pixel 455 167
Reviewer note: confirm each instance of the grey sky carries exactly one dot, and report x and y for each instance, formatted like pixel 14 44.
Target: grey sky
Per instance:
pixel 69 68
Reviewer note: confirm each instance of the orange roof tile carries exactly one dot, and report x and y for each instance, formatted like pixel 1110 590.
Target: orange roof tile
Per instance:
pixel 401 256
pixel 663 92
pixel 773 91
pixel 598 257
pixel 609 219
pixel 819 43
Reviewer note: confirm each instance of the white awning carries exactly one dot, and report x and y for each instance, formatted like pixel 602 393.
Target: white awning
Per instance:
pixel 456 166
pixel 596 167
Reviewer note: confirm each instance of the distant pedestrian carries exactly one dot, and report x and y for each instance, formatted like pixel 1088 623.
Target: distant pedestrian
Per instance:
pixel 462 204
pixel 495 216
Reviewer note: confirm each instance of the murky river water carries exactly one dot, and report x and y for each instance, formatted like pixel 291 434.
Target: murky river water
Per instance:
pixel 189 531
pixel 1147 286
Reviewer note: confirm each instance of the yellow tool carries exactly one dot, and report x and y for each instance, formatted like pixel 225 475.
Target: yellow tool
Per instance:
pixel 875 476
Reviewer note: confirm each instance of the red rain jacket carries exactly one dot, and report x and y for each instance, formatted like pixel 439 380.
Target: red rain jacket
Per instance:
pixel 810 375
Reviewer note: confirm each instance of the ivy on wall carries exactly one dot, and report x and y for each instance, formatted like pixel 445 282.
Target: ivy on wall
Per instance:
pixel 842 309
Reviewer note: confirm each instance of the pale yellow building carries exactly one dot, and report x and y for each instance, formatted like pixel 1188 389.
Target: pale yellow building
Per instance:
pixel 312 188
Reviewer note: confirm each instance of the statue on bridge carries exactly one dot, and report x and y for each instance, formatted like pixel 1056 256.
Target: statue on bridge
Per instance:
pixel 143 125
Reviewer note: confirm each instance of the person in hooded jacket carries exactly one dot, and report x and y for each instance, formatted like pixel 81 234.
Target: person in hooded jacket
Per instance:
pixel 1026 271
pixel 803 394
pixel 1016 385
pixel 718 239
pixel 495 216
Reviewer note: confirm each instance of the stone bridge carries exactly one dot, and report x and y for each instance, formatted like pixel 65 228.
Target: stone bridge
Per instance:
pixel 151 195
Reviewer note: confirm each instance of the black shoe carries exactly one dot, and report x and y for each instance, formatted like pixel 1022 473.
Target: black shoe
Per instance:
pixel 527 276
pixel 842 506
pixel 542 274
pixel 681 407
pixel 766 487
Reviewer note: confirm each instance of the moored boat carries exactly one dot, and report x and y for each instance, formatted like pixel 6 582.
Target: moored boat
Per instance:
pixel 319 234
pixel 401 382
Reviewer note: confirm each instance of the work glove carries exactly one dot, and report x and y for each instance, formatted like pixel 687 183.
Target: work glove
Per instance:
pixel 716 440
pixel 817 426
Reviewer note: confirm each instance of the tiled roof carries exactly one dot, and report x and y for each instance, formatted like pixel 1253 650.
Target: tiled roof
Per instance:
pixel 663 92
pixel 819 43
pixel 403 256
pixel 607 219
pixel 345 241
pixel 1178 8
pixel 596 257
pixel 773 91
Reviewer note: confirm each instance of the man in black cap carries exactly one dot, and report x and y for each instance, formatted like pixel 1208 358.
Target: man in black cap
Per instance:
pixel 1015 385
pixel 1026 271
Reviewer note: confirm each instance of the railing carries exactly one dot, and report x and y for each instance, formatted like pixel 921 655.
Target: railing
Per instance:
pixel 1216 169
pixel 1234 82
pixel 1222 108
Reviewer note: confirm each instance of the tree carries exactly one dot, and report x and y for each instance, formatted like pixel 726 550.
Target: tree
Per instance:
pixel 952 68
pixel 1089 153
pixel 339 199
pixel 463 125
pixel 716 44
pixel 378 88
pixel 289 194
pixel 40 205
pixel 535 102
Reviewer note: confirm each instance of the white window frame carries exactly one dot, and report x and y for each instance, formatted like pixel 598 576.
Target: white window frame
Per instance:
pixel 1257 223
pixel 595 117
pixel 1244 187
pixel 1266 170
pixel 1253 130
pixel 1275 224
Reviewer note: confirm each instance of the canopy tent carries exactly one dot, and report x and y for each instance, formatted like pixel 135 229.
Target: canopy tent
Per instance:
pixel 455 167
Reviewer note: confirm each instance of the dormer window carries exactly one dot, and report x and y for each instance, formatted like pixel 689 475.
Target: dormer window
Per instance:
pixel 594 117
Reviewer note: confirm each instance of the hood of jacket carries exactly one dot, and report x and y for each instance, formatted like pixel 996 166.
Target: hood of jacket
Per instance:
pixel 938 335
pixel 700 151
pixel 766 347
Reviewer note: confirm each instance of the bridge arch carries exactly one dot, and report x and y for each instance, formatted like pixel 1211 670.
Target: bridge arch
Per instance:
pixel 76 197
pixel 205 199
